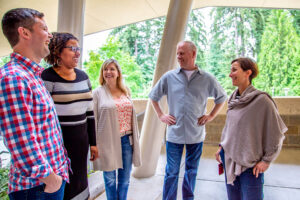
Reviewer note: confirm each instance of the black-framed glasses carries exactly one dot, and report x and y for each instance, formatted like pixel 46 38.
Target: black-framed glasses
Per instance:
pixel 74 49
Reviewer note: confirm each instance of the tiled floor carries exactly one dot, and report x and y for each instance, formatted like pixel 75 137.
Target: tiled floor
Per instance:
pixel 282 180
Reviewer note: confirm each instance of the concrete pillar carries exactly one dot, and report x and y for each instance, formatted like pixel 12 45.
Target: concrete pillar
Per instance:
pixel 71 19
pixel 153 130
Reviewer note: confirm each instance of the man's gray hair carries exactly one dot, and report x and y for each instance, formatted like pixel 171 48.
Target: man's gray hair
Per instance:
pixel 190 43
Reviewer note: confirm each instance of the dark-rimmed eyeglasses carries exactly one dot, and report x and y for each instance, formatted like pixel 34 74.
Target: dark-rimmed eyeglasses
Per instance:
pixel 74 49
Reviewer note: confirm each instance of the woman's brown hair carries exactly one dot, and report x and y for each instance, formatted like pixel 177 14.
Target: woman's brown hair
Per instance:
pixel 247 64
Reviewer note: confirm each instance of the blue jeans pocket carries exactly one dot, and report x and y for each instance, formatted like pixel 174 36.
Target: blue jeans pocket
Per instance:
pixel 58 195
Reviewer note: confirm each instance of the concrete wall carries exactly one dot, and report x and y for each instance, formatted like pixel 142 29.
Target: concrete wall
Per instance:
pixel 289 109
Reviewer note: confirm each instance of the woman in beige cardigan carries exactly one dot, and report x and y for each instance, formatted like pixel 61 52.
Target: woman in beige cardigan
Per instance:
pixel 116 131
pixel 252 136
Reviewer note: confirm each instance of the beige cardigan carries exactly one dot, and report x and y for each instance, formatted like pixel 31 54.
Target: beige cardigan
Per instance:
pixel 108 134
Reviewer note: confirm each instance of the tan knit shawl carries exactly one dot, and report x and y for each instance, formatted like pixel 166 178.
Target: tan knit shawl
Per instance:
pixel 253 131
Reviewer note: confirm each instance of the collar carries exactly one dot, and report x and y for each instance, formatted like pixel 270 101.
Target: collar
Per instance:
pixel 27 63
pixel 179 69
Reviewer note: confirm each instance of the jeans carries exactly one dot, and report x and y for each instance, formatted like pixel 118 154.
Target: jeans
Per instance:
pixel 246 186
pixel 114 191
pixel 37 193
pixel 192 158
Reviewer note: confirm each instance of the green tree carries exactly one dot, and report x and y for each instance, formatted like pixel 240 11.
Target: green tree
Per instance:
pixel 296 20
pixel 196 32
pixel 258 23
pixel 235 32
pixel 279 59
pixel 130 69
pixel 142 41
pixel 224 44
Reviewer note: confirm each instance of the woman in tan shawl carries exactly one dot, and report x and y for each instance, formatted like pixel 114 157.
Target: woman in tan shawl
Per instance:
pixel 252 136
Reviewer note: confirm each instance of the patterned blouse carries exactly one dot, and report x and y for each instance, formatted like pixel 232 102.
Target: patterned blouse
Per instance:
pixel 124 108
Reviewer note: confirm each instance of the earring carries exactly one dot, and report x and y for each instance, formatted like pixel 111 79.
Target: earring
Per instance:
pixel 58 62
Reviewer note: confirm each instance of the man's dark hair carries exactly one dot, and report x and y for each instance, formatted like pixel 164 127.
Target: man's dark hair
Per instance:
pixel 15 18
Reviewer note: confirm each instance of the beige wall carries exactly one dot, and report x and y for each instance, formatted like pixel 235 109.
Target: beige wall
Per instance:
pixel 289 109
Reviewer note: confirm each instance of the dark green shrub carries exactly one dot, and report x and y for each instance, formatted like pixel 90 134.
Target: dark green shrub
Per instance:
pixel 3 183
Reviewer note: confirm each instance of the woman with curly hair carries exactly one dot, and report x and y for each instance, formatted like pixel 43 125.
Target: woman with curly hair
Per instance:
pixel 70 89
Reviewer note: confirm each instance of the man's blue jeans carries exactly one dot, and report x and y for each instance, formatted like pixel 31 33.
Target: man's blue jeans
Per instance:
pixel 37 193
pixel 246 186
pixel 114 192
pixel 192 158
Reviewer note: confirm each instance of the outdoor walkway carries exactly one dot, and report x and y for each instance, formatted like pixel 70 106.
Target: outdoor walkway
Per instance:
pixel 282 180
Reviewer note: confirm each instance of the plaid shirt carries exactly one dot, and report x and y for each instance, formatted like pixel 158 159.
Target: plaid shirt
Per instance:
pixel 29 125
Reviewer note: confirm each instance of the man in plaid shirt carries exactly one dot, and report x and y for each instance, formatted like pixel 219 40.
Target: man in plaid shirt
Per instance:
pixel 28 120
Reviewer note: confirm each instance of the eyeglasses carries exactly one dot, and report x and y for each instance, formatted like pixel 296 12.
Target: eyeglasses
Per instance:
pixel 74 49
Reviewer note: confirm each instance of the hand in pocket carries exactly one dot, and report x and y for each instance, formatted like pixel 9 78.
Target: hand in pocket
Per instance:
pixel 54 186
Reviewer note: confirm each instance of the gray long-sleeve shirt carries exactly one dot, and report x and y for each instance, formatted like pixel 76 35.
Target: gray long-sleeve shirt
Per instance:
pixel 187 102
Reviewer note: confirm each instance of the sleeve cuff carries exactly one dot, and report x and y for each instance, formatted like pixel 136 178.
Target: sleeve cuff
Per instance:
pixel 41 171
pixel 154 98
pixel 220 100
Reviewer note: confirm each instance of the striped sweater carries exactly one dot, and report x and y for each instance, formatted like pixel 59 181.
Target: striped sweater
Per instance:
pixel 73 100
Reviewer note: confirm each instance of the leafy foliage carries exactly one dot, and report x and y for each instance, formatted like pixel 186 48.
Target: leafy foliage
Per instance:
pixel 232 37
pixel 296 20
pixel 280 55
pixel 3 183
pixel 142 41
pixel 196 32
pixel 4 60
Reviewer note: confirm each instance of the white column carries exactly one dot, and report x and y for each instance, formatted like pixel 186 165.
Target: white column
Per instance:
pixel 153 130
pixel 71 19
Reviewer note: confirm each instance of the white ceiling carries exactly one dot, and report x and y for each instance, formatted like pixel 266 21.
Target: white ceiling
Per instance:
pixel 102 15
